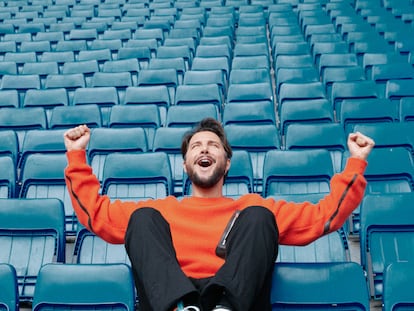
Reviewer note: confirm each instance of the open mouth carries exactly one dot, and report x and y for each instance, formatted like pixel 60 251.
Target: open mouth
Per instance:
pixel 205 162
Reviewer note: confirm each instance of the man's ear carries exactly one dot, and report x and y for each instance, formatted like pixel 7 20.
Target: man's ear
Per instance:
pixel 228 165
pixel 184 167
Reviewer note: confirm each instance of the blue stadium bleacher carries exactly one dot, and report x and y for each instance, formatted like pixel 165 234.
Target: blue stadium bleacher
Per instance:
pixel 397 284
pixel 32 234
pixel 9 296
pixel 103 286
pixel 53 55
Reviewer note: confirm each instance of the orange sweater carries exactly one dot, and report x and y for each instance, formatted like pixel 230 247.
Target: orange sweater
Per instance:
pixel 197 223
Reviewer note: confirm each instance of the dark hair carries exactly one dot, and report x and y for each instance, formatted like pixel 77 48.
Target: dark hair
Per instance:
pixel 211 125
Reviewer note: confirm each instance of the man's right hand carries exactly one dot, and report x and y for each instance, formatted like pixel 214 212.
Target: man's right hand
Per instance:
pixel 77 138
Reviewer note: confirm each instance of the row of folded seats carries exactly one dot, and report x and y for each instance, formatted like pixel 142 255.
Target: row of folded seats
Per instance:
pixel 35 269
pixel 287 122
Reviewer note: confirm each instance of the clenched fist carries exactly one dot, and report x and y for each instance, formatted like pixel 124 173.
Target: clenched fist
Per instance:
pixel 360 145
pixel 77 138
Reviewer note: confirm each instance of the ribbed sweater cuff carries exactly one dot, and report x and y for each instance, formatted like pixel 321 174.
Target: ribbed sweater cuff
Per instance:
pixel 76 156
pixel 356 165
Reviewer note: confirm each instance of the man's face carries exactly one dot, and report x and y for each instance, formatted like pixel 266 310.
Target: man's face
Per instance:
pixel 206 161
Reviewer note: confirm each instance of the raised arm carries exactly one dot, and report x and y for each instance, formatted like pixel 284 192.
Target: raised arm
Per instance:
pixel 94 211
pixel 302 223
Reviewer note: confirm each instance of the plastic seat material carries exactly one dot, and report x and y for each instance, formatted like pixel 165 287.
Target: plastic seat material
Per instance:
pixel 32 234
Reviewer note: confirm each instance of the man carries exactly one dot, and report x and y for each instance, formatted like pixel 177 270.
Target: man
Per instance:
pixel 206 251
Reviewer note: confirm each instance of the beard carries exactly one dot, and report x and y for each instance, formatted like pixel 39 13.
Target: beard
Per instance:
pixel 206 182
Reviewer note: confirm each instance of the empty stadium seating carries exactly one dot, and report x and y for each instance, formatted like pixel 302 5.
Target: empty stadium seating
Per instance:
pixel 280 75
pixel 32 234
pixel 103 286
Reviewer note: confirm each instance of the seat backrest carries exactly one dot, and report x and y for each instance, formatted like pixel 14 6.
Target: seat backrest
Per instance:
pixel 31 234
pixel 70 116
pixel 257 140
pixel 108 140
pixel 398 279
pixel 155 94
pixel 9 295
pixel 249 113
pixel 85 287
pixel 42 176
pixel 293 171
pixel 41 141
pixel 330 136
pixel 396 176
pixel 137 176
pixel 91 249
pixel 189 115
pixel 22 120
pixel 386 235
pixel 168 140
pixel 9 145
pixel 298 286
pixel 199 94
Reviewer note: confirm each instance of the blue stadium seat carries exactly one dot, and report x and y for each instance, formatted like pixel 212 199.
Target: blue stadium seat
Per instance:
pixel 105 97
pixel 32 234
pixel 351 90
pixel 381 73
pixel 168 140
pixel 397 294
pixel 149 95
pixel 9 144
pixel 371 59
pixel 257 140
pixel 189 115
pixel 9 296
pixel 8 177
pixel 91 249
pixel 363 111
pixel 332 247
pixel 386 235
pixel 206 77
pixel 46 98
pixel 42 176
pixel 406 109
pixel 86 67
pixel 141 53
pixel 137 176
pixel 245 76
pixel 335 74
pixel 299 286
pixel 130 116
pixel 212 63
pixel 156 77
pixel 22 120
pixel 293 171
pixel 396 176
pixel 176 63
pixel 305 111
pixel 68 81
pixel 70 116
pixel 329 60
pixel 307 91
pixel 108 140
pixel 41 141
pixel 173 51
pixel 86 287
pixel 249 93
pixel 296 75
pixel 199 94
pixel 249 113
pixel 21 83
pixel 329 136
pixel 398 89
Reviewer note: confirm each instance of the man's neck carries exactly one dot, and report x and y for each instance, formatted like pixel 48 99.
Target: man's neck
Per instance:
pixel 213 192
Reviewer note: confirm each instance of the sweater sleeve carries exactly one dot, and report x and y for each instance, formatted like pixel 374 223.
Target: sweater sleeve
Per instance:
pixel 302 223
pixel 96 212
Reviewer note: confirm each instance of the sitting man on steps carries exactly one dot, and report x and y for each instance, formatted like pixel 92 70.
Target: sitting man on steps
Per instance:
pixel 207 251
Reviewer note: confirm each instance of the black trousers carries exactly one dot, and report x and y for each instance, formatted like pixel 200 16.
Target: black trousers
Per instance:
pixel 245 277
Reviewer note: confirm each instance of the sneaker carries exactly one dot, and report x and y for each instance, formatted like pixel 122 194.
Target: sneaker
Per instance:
pixel 221 308
pixel 180 307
